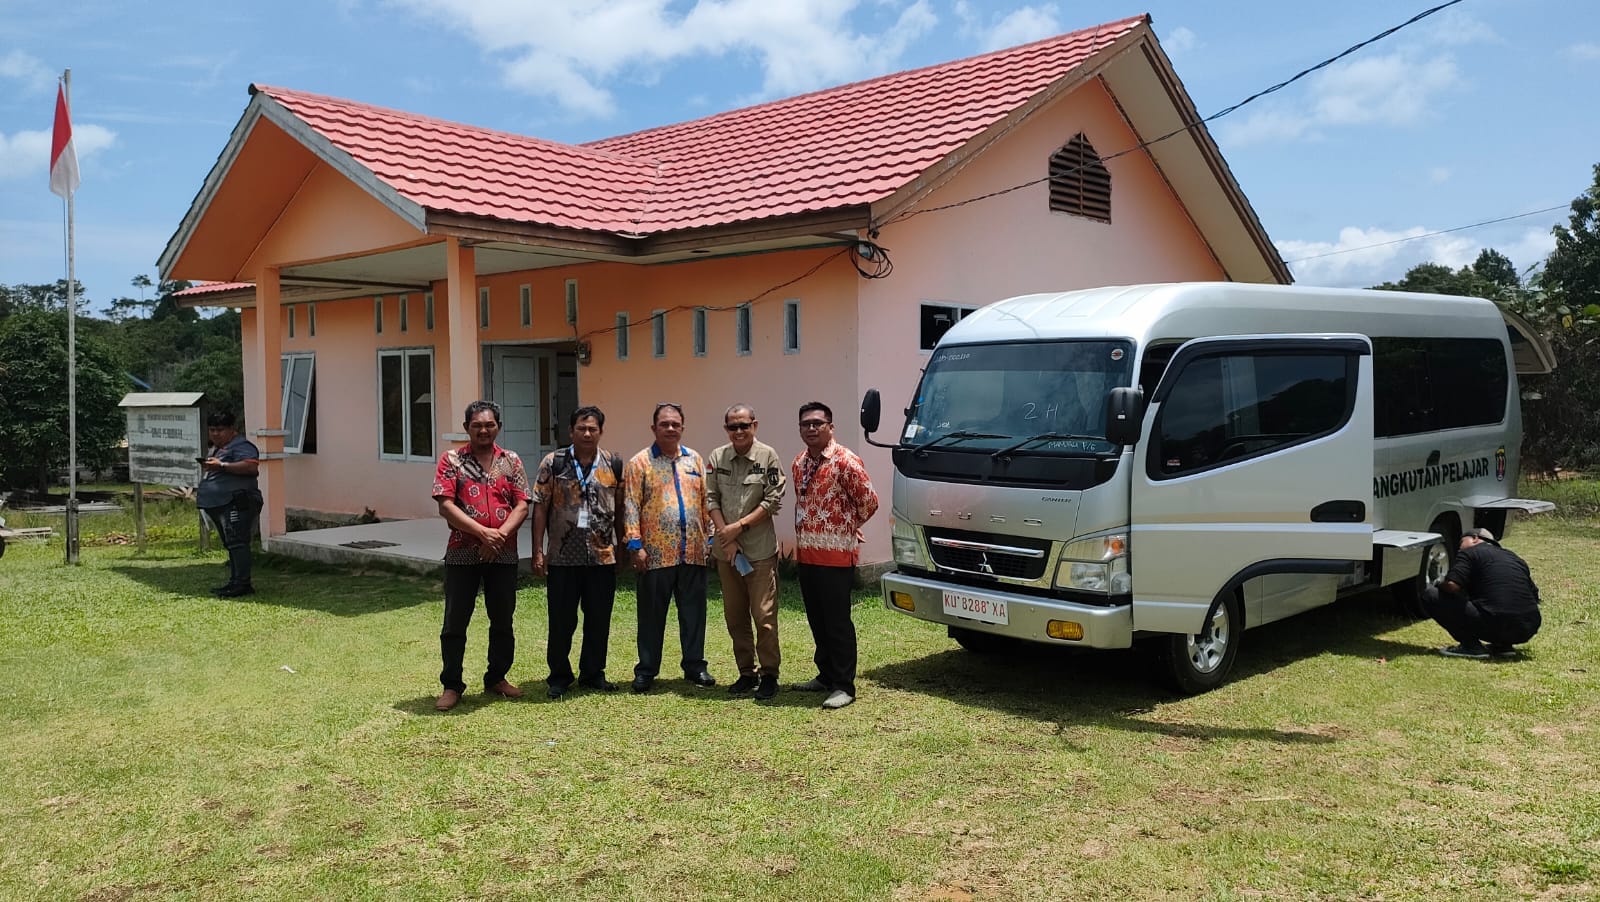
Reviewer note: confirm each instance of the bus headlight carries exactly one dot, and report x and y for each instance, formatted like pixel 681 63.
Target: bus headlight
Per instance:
pixel 907 549
pixel 1096 565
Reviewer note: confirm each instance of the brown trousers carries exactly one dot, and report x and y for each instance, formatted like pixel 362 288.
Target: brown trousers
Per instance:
pixel 752 599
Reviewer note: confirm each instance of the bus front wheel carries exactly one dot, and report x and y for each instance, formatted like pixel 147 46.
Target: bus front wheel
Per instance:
pixel 1198 663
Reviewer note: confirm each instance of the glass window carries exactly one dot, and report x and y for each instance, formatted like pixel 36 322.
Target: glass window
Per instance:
pixel 983 398
pixel 1425 384
pixel 483 308
pixel 405 312
pixel 290 311
pixel 427 311
pixel 658 333
pixel 311 320
pixel 791 327
pixel 299 407
pixel 405 400
pixel 937 320
pixel 699 331
pixel 572 302
pixel 741 329
pixel 1228 407
pixel 622 336
pixel 526 294
pixel 377 315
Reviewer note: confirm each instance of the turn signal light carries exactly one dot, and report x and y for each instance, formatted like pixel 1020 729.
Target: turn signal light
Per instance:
pixel 902 601
pixel 1063 629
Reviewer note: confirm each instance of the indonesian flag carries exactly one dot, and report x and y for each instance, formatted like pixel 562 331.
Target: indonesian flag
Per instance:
pixel 63 157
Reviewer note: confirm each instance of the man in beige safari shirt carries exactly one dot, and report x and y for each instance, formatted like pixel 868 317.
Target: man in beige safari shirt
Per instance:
pixel 743 493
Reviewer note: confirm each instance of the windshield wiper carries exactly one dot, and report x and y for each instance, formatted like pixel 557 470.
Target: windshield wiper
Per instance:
pixel 958 434
pixel 1045 436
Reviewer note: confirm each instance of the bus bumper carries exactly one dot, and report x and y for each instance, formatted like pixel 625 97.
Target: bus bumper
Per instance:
pixel 1025 616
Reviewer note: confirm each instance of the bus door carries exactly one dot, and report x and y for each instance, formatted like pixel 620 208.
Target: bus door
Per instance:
pixel 1256 458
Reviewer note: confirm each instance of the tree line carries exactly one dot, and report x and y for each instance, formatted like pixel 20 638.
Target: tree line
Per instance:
pixel 146 342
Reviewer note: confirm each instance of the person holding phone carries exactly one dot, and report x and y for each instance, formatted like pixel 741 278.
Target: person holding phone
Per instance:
pixel 743 495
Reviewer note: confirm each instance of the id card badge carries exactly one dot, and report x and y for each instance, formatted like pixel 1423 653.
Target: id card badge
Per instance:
pixel 583 515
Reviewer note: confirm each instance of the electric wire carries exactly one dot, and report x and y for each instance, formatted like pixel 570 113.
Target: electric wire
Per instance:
pixel 1368 247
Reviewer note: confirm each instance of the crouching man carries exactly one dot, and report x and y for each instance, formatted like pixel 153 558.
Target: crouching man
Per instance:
pixel 1487 602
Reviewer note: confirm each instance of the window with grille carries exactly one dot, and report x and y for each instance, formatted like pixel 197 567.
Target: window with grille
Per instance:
pixel 1079 182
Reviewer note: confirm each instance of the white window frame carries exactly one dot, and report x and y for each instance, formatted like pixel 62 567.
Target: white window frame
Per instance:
pixel 699 331
pixel 405 312
pixel 294 442
pixel 572 302
pixel 483 307
pixel 658 333
pixel 622 336
pixel 743 330
pixel 405 355
pixel 525 295
pixel 791 326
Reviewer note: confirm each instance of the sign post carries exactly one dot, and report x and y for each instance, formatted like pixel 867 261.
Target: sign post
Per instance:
pixel 165 440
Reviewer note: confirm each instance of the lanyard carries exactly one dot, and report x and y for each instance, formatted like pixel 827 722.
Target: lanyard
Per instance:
pixel 583 478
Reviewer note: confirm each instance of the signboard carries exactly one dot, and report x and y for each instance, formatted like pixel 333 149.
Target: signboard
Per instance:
pixel 164 438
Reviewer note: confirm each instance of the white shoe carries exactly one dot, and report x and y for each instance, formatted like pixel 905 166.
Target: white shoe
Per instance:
pixel 837 699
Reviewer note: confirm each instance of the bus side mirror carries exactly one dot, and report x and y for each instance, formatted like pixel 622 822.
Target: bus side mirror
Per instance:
pixel 870 411
pixel 1124 415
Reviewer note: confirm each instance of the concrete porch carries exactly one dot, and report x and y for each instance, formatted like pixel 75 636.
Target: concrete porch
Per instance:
pixel 413 544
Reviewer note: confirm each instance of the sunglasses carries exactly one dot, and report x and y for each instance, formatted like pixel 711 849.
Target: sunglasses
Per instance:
pixel 737 427
pixel 814 424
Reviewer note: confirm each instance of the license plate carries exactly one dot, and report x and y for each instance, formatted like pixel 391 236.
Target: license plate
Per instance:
pixel 971 607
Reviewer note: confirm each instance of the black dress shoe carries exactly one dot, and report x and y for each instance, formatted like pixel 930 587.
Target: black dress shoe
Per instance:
pixel 768 687
pixel 703 678
pixel 743 684
pixel 236 590
pixel 643 684
pixel 555 690
pixel 599 684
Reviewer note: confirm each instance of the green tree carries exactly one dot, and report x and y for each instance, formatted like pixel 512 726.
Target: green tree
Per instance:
pixel 220 374
pixel 33 399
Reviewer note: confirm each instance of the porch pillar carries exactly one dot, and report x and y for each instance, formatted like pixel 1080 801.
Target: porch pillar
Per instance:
pixel 268 432
pixel 461 339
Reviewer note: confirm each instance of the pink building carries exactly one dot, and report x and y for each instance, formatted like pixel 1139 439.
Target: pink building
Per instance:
pixel 398 267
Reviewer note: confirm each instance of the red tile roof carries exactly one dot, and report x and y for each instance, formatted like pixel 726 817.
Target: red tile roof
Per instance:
pixel 846 146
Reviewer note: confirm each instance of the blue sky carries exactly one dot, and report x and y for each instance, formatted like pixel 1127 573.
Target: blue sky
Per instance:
pixel 1480 112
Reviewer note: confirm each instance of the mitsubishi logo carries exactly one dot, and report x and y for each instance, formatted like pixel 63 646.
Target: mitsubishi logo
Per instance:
pixel 983 563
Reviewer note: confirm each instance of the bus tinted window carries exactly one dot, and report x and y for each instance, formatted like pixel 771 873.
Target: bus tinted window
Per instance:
pixel 1427 384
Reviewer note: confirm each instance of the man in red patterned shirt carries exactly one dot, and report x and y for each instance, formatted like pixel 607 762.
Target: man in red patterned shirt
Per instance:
pixel 833 500
pixel 482 491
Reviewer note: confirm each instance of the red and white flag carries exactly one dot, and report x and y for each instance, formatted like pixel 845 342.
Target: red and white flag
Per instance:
pixel 63 156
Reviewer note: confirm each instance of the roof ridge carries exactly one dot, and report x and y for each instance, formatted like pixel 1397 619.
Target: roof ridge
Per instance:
pixel 1020 49
pixel 277 92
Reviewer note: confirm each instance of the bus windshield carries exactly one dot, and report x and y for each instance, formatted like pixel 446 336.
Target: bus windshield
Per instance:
pixel 1044 397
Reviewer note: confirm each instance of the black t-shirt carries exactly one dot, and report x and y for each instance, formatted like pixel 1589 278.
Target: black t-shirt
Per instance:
pixel 1496 580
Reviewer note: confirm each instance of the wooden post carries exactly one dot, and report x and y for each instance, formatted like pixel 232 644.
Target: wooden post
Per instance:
pixel 138 514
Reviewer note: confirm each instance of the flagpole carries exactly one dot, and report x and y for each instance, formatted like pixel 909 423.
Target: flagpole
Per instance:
pixel 72 370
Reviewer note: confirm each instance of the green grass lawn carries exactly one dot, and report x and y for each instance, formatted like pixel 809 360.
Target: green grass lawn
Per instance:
pixel 158 742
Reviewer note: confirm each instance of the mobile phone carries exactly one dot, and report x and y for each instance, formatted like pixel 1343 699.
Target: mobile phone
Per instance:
pixel 201 460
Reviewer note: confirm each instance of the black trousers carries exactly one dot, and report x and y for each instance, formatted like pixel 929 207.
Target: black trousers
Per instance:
pixel 657 589
pixel 235 523
pixel 461 584
pixel 1468 624
pixel 593 589
pixel 826 591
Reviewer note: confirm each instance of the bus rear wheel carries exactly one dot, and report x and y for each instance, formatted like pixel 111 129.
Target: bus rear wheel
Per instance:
pixel 1435 563
pixel 1200 662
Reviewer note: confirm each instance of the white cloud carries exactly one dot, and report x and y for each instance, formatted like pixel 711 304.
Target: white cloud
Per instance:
pixel 1438 175
pixel 570 50
pixel 1454 27
pixel 1585 51
pixel 19 66
pixel 1181 40
pixel 1022 25
pixel 1362 257
pixel 1398 89
pixel 26 154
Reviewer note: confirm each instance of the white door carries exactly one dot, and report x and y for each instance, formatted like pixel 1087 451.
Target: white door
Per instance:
pixel 516 385
pixel 1256 458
